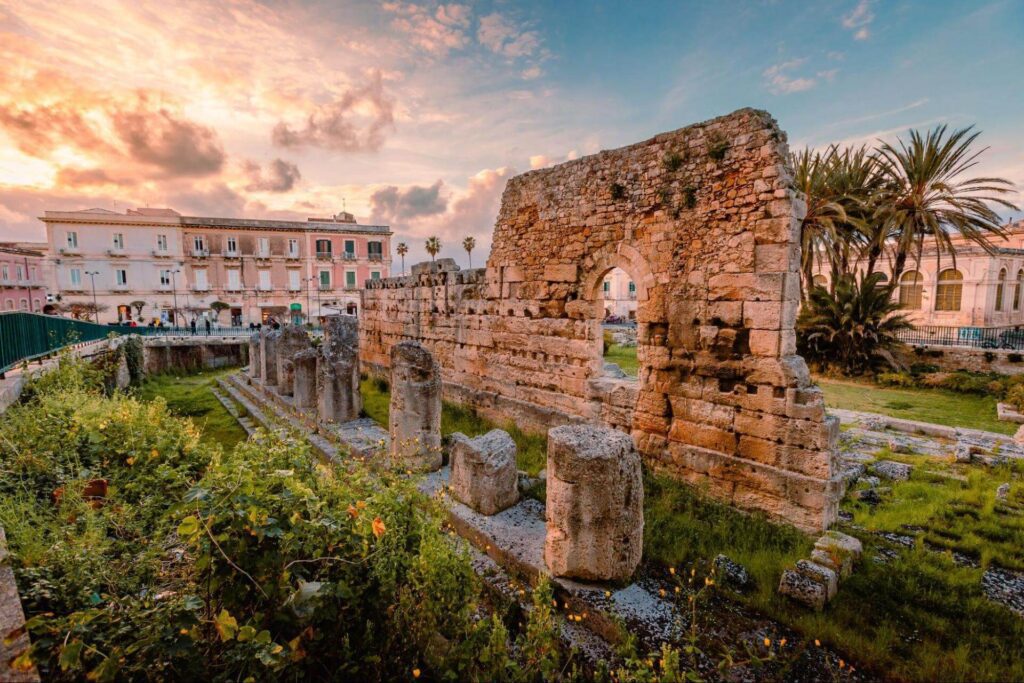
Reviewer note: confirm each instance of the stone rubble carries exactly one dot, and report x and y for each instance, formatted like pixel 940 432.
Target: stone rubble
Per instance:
pixel 483 471
pixel 814 582
pixel 896 471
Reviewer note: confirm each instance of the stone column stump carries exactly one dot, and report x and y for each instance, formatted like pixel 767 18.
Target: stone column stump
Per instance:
pixel 293 340
pixel 304 389
pixel 484 475
pixel 268 356
pixel 595 495
pixel 337 370
pixel 255 359
pixel 414 421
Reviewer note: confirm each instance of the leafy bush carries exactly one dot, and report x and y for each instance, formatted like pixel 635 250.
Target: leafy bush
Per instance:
pixel 849 328
pixel 1015 396
pixel 896 379
pixel 923 368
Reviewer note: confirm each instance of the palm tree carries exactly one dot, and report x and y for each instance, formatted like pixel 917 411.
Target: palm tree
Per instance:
pixel 469 244
pixel 433 247
pixel 925 195
pixel 819 231
pixel 402 250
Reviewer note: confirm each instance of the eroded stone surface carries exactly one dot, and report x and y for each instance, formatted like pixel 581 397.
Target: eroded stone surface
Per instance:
pixel 706 222
pixel 268 355
pixel 484 475
pixel 414 418
pixel 337 372
pixel 896 471
pixel 255 356
pixel 304 379
pixel 594 513
pixel 803 589
pixel 294 339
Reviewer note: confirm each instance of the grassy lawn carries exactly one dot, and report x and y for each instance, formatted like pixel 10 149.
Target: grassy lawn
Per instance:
pixel 531 449
pixel 926 405
pixel 190 396
pixel 624 357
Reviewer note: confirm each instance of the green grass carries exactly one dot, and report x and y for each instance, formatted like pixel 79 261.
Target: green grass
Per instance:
pixel 531 448
pixel 624 357
pixel 925 405
pixel 190 396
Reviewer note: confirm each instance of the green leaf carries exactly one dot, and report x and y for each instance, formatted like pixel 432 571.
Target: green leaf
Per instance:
pixel 188 527
pixel 71 655
pixel 227 625
pixel 246 633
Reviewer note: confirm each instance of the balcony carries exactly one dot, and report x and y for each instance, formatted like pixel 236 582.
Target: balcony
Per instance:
pixel 234 289
pixel 200 253
pixel 70 251
pixel 117 253
pixel 260 254
pixel 323 255
pixel 265 288
pixel 161 253
pixel 292 256
pixel 232 253
pixel 120 289
pixel 376 258
pixel 349 256
pixel 200 288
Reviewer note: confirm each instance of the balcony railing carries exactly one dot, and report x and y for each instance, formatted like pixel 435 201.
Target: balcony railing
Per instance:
pixel 231 253
pixel 324 255
pixel 200 253
pixel 376 257
pixel 349 256
pixel 974 337
pixel 116 252
pixel 261 254
pixel 292 255
pixel 161 253
pixel 70 251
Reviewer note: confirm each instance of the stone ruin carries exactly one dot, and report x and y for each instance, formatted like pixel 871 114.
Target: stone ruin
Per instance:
pixel 414 418
pixel 292 341
pixel 337 373
pixel 304 389
pixel 255 357
pixel 268 356
pixel 595 497
pixel 706 222
pixel 484 474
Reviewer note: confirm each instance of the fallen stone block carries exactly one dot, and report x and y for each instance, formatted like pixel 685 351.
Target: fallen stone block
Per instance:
pixel 731 573
pixel 484 475
pixel 594 507
pixel 841 564
pixel 836 540
pixel 897 471
pixel 803 589
pixel 823 575
pixel 1003 492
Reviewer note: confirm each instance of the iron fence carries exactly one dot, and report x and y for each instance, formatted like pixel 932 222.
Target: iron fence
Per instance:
pixel 973 337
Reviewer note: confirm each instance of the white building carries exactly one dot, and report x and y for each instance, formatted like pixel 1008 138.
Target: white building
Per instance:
pixel 619 294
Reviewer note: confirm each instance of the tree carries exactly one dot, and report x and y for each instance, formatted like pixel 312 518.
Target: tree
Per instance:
pixel 217 307
pixel 850 327
pixel 469 244
pixel 85 310
pixel 925 194
pixel 138 306
pixel 433 247
pixel 819 231
pixel 402 250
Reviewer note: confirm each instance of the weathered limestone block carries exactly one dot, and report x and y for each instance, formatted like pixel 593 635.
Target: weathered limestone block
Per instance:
pixel 595 519
pixel 890 469
pixel 293 340
pixel 803 589
pixel 304 381
pixel 414 420
pixel 337 373
pixel 268 355
pixel 822 575
pixel 484 474
pixel 255 358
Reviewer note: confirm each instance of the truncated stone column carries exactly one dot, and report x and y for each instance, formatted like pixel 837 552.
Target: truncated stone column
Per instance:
pixel 484 475
pixel 595 518
pixel 268 355
pixel 255 358
pixel 337 372
pixel 293 340
pixel 414 421
pixel 304 389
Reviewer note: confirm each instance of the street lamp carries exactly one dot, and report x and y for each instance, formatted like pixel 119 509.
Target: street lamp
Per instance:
pixel 309 312
pixel 174 293
pixel 95 307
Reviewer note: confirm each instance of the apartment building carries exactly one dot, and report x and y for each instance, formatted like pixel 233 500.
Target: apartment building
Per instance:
pixel 619 292
pixel 156 263
pixel 23 276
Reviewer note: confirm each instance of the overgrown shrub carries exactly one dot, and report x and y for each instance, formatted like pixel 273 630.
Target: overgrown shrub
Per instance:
pixel 896 379
pixel 1015 396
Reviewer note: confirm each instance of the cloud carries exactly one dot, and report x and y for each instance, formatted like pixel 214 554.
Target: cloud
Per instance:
pixel 502 37
pixel 279 176
pixel 438 32
pixel 530 73
pixel 355 122
pixel 781 79
pixel 218 200
pixel 84 177
pixel 176 146
pixel 859 20
pixel 391 203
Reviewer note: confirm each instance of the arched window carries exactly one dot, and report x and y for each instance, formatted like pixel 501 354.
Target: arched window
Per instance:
pixel 1000 286
pixel 883 280
pixel 1016 290
pixel 911 288
pixel 949 290
pixel 820 281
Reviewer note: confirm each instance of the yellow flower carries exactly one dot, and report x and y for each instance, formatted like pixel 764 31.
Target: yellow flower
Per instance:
pixel 130 461
pixel 817 643
pixel 378 527
pixel 154 453
pixel 672 571
pixel 782 643
pixel 607 594
pixel 767 642
pixel 841 664
pixel 184 631
pixel 415 673
pixel 661 592
pixel 353 513
pixel 360 504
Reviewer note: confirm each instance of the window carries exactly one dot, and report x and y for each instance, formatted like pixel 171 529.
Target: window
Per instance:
pixel 911 289
pixel 201 282
pixel 293 280
pixel 882 282
pixel 350 278
pixel 1000 286
pixel 199 245
pixel 350 248
pixel 21 271
pixel 234 279
pixel 323 248
pixel 293 247
pixel 72 240
pixel 23 304
pixel 10 304
pixel 232 245
pixel 165 278
pixel 118 240
pixel 632 289
pixel 75 277
pixel 161 242
pixel 607 286
pixel 264 246
pixel 121 277
pixel 374 274
pixel 949 290
pixel 264 276
pixel 1016 290
pixel 325 279
pixel 374 250
pixel 6 272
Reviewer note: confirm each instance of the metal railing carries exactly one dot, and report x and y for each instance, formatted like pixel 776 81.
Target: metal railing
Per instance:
pixel 26 336
pixel 972 337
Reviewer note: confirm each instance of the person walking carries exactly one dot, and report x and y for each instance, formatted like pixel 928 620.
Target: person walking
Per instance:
pixel 207 327
pixel 193 326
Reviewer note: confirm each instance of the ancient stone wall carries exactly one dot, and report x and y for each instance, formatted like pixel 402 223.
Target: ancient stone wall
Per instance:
pixel 706 223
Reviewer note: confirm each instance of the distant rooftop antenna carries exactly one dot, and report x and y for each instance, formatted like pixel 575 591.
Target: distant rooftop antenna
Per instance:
pixel 344 207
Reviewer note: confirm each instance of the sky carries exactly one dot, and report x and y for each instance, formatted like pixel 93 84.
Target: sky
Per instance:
pixel 415 114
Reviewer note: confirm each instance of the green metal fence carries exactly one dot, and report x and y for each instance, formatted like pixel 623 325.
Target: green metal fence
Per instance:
pixel 26 336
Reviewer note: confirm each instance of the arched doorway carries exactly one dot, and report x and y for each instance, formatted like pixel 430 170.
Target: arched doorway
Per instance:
pixel 618 329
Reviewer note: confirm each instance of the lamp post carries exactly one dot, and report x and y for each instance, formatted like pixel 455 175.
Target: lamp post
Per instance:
pixel 95 307
pixel 309 283
pixel 174 294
